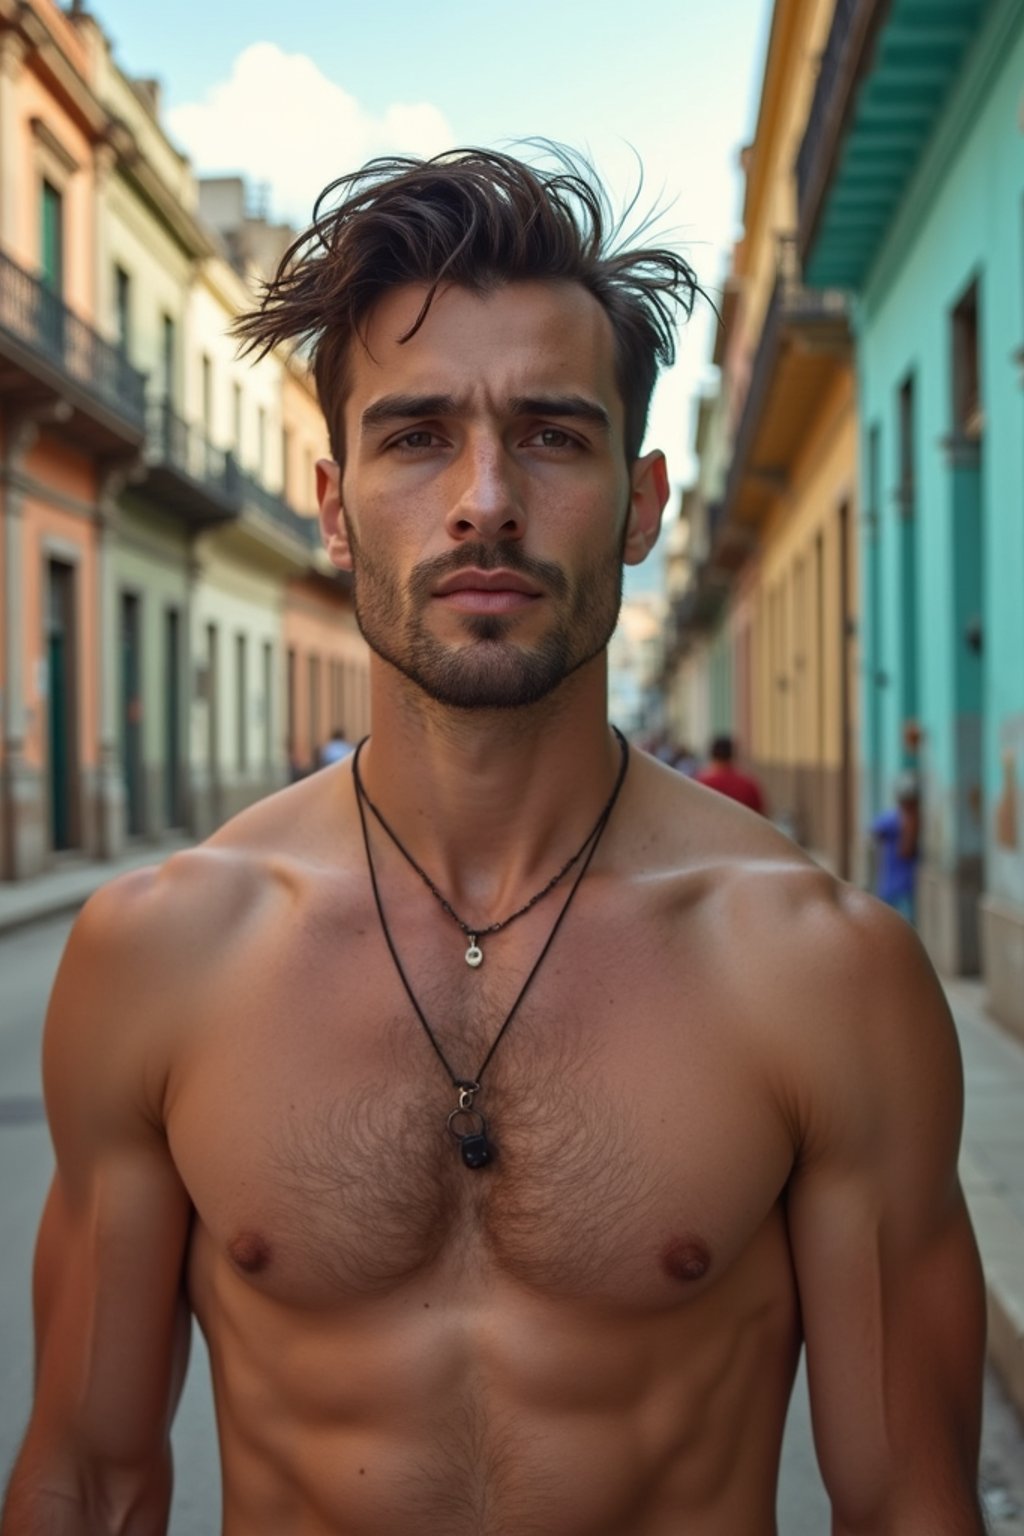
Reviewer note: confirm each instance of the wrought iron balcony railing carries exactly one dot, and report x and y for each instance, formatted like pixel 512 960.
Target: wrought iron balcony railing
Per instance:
pixel 820 317
pixel 40 320
pixel 274 506
pixel 184 447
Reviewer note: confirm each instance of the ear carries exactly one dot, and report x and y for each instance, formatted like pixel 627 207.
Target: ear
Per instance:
pixel 332 517
pixel 648 496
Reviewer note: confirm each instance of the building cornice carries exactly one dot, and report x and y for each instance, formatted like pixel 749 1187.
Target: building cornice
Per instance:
pixel 149 185
pixel 47 57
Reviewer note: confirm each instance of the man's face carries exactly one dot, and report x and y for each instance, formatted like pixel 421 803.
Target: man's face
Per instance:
pixel 485 506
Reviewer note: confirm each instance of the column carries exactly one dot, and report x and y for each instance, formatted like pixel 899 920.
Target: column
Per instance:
pixel 23 812
pixel 12 52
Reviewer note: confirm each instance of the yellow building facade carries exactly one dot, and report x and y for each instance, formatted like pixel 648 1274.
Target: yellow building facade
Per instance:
pixel 777 539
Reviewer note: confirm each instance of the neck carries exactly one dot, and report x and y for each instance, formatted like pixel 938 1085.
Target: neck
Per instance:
pixel 491 802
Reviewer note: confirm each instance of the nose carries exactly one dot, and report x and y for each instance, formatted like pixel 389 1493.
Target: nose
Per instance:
pixel 488 504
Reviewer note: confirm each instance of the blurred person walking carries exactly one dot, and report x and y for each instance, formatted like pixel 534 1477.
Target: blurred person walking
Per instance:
pixel 722 774
pixel 897 836
pixel 335 749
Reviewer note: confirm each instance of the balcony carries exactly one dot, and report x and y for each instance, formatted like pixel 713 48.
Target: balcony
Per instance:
pixel 49 357
pixel 885 75
pixel 804 344
pixel 185 472
pixel 696 610
pixel 271 508
pixel 205 486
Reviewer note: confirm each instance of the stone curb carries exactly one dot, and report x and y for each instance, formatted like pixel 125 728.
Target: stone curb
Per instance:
pixel 62 891
pixel 1001 1241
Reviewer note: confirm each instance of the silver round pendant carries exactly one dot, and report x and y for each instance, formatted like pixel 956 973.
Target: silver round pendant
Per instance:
pixel 474 955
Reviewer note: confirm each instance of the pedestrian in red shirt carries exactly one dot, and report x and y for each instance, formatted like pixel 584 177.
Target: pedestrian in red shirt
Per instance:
pixel 720 774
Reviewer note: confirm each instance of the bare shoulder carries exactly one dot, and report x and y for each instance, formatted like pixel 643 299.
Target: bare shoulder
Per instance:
pixel 856 1022
pixel 828 987
pixel 187 907
pixel 157 916
pixel 145 947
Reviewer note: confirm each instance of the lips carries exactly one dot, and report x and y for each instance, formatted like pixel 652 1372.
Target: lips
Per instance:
pixel 486 581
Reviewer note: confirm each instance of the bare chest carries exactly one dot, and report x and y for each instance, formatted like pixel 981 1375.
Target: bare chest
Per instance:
pixel 636 1152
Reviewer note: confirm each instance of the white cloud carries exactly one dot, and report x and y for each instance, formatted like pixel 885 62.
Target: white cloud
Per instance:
pixel 279 119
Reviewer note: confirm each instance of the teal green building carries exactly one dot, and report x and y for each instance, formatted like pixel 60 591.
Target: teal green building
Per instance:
pixel 911 195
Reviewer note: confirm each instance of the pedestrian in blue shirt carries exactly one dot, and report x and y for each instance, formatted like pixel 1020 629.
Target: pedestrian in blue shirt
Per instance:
pixel 897 837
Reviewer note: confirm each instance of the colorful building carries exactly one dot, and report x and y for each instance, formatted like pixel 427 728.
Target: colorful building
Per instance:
pixel 769 611
pixel 161 563
pixel 72 423
pixel 911 196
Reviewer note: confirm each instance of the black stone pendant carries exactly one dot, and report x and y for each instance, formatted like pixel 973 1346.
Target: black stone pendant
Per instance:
pixel 476 1150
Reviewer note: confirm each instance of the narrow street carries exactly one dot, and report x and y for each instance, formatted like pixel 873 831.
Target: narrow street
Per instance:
pixel 28 959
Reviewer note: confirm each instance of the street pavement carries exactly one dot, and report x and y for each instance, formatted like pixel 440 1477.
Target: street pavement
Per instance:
pixel 994 1176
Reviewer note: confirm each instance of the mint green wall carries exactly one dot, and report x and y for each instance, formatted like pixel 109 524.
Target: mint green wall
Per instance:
pixel 963 219
pixel 722 719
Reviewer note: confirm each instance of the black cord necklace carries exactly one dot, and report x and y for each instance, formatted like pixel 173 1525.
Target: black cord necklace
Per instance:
pixel 476 1148
pixel 474 954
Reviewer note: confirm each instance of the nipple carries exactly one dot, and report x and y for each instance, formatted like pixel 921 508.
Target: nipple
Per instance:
pixel 249 1252
pixel 686 1258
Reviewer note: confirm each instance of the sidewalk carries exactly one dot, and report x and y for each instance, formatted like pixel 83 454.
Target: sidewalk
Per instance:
pixel 67 888
pixel 992 1170
pixel 992 1161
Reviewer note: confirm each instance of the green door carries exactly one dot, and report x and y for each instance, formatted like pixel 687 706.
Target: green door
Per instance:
pixel 172 723
pixel 131 712
pixel 61 704
pixel 51 268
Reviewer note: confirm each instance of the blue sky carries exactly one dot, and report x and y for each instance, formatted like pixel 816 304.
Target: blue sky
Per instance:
pixel 293 94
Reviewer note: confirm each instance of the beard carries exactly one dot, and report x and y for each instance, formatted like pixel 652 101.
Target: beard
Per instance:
pixel 491 670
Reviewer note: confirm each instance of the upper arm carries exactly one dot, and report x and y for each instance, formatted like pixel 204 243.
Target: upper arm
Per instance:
pixel 890 1284
pixel 111 1330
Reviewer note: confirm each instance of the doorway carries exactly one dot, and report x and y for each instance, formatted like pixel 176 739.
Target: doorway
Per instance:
pixel 131 713
pixel 62 705
pixel 173 810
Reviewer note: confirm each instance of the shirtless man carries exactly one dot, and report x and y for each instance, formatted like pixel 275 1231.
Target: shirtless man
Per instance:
pixel 723 1120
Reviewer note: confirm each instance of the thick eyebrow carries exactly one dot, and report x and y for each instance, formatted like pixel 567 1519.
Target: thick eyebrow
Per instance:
pixel 391 408
pixel 565 407
pixel 405 407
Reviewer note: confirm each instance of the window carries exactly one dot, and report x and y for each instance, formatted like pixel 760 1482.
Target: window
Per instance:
pixel 906 445
pixel 123 310
pixel 207 385
pixel 908 556
pixel 291 706
pixel 268 704
pixel 168 351
pixel 241 696
pixel 51 239
pixel 967 416
pixel 314 710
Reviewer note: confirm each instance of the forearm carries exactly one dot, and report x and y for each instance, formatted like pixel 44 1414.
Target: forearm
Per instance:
pixel 51 1497
pixel 953 1513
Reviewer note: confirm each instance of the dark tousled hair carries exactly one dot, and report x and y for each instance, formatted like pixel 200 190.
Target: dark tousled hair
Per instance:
pixel 478 219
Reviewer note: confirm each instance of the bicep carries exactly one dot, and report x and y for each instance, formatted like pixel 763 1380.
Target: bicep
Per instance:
pixel 111 1330
pixel 894 1329
pixel 890 1284
pixel 111 1324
